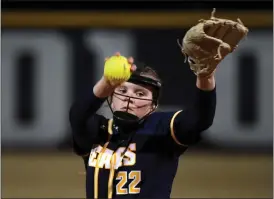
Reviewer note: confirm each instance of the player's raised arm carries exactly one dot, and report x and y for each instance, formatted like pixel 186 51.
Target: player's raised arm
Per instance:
pixel 205 45
pixel 84 121
pixel 187 125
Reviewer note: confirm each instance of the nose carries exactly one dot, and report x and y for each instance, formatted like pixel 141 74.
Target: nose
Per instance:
pixel 128 98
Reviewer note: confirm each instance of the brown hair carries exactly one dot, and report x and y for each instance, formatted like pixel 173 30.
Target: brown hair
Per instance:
pixel 149 72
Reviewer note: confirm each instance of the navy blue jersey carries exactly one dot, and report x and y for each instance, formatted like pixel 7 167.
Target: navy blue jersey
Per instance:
pixel 144 164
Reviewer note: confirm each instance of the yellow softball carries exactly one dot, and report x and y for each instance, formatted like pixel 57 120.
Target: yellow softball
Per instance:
pixel 117 69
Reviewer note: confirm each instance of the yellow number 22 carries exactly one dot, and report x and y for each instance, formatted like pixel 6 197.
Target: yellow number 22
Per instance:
pixel 123 177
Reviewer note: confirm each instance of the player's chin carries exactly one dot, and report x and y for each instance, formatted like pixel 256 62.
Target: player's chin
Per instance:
pixel 127 110
pixel 131 112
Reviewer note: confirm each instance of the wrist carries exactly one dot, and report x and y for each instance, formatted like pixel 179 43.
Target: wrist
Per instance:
pixel 103 88
pixel 206 83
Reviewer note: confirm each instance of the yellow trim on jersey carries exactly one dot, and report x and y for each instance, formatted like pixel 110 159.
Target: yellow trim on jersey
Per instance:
pixel 111 176
pixel 96 172
pixel 110 122
pixel 172 129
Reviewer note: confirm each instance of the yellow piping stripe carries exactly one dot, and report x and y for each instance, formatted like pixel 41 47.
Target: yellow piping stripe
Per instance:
pixel 123 19
pixel 111 176
pixel 172 129
pixel 96 172
pixel 113 163
pixel 110 122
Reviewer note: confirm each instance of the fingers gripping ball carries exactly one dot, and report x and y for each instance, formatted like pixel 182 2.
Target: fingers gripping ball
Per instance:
pixel 117 69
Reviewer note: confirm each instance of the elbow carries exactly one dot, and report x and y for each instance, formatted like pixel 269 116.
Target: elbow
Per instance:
pixel 206 119
pixel 76 112
pixel 74 117
pixel 205 124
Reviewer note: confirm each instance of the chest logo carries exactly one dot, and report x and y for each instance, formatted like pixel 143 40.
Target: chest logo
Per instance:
pixel 103 158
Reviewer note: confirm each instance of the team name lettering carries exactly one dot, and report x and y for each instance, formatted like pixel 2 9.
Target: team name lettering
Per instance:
pixel 107 158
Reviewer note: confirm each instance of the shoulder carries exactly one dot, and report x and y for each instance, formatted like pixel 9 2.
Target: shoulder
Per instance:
pixel 163 116
pixel 162 120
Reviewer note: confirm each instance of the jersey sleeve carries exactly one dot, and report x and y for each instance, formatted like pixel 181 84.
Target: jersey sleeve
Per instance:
pixel 88 128
pixel 180 129
pixel 186 126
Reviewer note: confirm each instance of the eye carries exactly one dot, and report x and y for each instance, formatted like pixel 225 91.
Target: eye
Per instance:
pixel 139 94
pixel 122 90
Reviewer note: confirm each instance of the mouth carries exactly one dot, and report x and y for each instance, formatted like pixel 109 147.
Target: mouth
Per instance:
pixel 127 109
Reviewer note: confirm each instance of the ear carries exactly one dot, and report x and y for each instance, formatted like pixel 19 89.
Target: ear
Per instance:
pixel 154 107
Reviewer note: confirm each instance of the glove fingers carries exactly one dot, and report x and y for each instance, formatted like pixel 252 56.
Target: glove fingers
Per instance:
pixel 235 35
pixel 222 51
pixel 228 31
pixel 222 31
pixel 211 27
pixel 218 28
pixel 210 43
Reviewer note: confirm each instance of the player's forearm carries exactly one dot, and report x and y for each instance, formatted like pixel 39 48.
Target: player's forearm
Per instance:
pixel 206 101
pixel 191 122
pixel 82 109
pixel 103 89
pixel 203 111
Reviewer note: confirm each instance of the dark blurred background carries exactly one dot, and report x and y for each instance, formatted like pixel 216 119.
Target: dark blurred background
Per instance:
pixel 53 53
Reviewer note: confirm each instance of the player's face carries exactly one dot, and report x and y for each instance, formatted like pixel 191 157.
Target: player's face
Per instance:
pixel 136 99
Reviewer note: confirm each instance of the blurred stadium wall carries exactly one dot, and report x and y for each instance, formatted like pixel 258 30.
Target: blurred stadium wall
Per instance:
pixel 52 56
